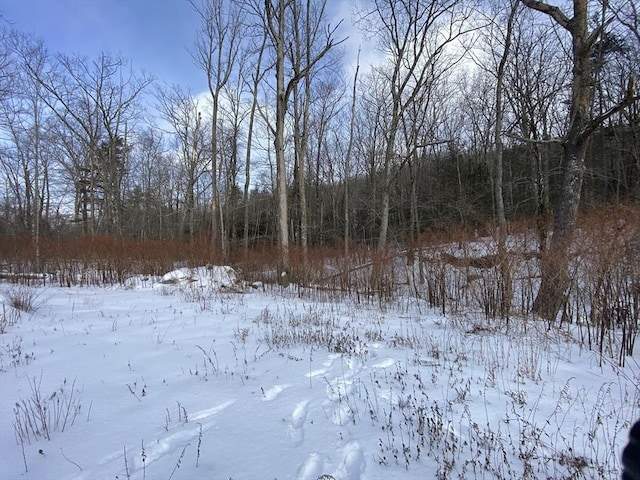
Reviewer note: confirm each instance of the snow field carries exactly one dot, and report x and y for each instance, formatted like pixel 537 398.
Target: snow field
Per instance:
pixel 183 380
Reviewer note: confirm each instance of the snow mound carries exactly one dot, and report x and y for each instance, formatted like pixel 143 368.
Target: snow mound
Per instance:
pixel 212 276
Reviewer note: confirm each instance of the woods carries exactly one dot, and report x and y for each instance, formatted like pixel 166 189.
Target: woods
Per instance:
pixel 470 115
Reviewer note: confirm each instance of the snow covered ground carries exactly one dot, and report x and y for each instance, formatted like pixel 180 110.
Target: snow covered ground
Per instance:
pixel 187 378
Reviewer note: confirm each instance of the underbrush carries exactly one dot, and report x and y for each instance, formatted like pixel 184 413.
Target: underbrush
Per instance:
pixel 477 392
pixel 459 273
pixel 501 413
pixel 42 414
pixel 17 299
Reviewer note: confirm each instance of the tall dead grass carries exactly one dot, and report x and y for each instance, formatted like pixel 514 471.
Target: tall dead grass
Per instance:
pixel 604 300
pixel 459 272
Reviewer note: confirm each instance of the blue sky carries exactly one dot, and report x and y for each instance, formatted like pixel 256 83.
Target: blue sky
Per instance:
pixel 153 34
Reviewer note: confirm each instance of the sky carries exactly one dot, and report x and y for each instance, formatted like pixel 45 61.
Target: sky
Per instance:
pixel 154 34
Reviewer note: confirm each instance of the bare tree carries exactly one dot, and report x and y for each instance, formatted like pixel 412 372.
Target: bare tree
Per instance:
pixel 535 87
pixel 348 161
pixel 7 72
pixel 154 178
pixel 416 37
pixel 216 52
pixel 554 267
pixel 277 21
pixel 253 79
pixel 95 101
pixel 24 117
pixel 182 112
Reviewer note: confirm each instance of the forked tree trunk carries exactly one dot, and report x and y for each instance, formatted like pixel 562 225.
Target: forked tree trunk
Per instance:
pixel 555 263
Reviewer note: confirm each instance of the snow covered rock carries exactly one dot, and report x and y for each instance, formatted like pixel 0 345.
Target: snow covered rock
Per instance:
pixel 213 276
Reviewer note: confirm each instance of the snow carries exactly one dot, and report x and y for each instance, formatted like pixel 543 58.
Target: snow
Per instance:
pixel 192 376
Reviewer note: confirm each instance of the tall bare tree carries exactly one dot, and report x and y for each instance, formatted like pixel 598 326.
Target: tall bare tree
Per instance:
pixel 278 22
pixel 253 81
pixel 554 266
pixel 24 117
pixel 184 116
pixel 216 52
pixel 348 161
pixel 416 37
pixel 535 87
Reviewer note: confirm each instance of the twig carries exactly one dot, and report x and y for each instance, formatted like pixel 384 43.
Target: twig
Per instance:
pixel 199 443
pixel 126 464
pixel 71 461
pixel 24 457
pixel 133 393
pixel 179 462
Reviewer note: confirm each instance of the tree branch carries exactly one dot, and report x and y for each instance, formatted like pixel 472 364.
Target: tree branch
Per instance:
pixel 553 12
pixel 537 141
pixel 629 99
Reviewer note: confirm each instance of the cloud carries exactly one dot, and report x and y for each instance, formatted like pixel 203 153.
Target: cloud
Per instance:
pixel 357 43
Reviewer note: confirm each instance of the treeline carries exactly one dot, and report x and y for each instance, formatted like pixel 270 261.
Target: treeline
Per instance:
pixel 459 120
pixel 452 191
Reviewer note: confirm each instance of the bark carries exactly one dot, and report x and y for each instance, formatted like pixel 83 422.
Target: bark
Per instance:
pixel 347 161
pixel 556 280
pixel 279 33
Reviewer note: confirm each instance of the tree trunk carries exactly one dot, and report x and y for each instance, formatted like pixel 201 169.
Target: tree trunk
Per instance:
pixel 247 166
pixel 554 266
pixel 278 142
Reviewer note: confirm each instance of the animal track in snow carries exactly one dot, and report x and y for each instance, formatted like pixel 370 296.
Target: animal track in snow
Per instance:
pixel 271 393
pixel 339 389
pixel 330 359
pixel 352 463
pixel 341 414
pixel 386 363
pixel 210 411
pixel 299 414
pixel 316 373
pixel 298 417
pixel 167 444
pixel 312 467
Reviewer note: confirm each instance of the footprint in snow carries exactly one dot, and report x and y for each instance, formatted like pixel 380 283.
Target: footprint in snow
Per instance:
pixel 271 393
pixel 169 443
pixel 386 363
pixel 316 373
pixel 339 389
pixel 312 468
pixel 354 365
pixel 202 414
pixel 330 359
pixel 341 414
pixel 299 414
pixel 352 463
pixel 298 417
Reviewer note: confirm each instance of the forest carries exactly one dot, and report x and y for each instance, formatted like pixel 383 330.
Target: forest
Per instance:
pixel 473 116
pixel 398 242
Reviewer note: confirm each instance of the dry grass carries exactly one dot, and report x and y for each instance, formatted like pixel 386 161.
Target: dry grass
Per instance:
pixel 457 271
